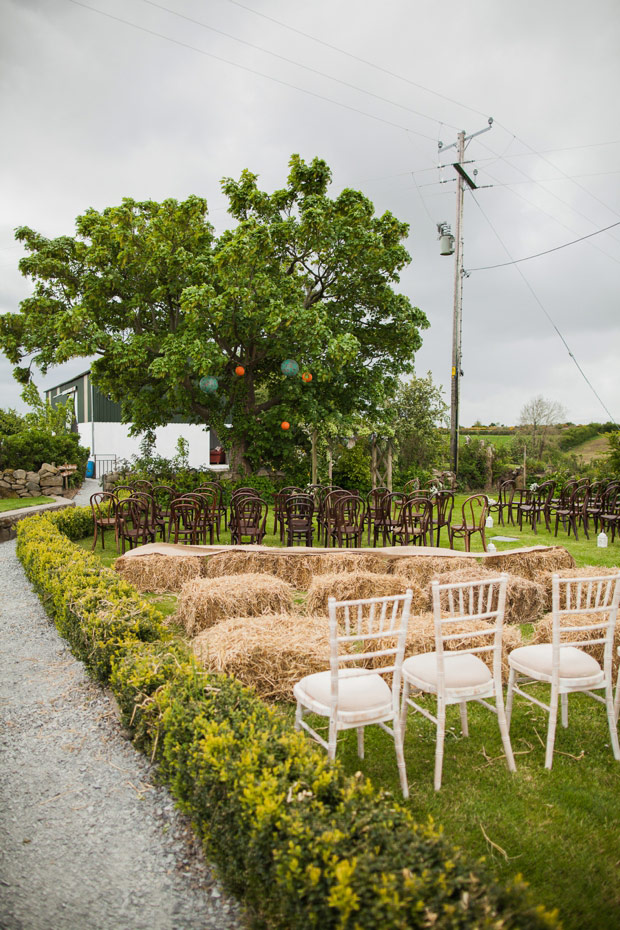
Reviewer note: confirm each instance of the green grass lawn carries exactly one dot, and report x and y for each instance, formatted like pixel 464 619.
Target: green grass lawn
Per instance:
pixel 18 503
pixel 558 829
pixel 499 441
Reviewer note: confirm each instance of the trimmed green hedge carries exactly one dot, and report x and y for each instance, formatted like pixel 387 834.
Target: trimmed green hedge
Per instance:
pixel 302 843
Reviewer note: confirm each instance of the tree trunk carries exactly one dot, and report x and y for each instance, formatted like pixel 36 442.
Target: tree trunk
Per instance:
pixel 237 459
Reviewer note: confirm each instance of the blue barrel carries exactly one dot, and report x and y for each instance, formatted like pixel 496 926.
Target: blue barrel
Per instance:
pixel 90 469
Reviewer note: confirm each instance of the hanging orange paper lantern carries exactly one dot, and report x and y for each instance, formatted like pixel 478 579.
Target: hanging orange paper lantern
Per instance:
pixel 285 424
pixel 306 376
pixel 239 370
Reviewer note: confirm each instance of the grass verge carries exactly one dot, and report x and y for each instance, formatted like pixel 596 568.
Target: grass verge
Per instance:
pixel 19 503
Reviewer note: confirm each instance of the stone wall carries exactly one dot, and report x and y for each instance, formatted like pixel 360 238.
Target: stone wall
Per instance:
pixel 46 482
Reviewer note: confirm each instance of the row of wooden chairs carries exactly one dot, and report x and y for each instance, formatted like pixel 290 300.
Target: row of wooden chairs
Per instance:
pixel 367 645
pixel 138 513
pixel 578 504
pixel 342 517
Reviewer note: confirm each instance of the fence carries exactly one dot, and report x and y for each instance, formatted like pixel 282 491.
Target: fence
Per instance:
pixel 104 464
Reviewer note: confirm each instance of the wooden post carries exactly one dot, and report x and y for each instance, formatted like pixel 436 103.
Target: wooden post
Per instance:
pixel 389 466
pixel 373 463
pixel 314 465
pixel 330 465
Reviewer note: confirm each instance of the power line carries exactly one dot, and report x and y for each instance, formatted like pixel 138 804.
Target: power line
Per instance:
pixel 200 51
pixel 549 193
pixel 552 216
pixel 580 186
pixel 542 307
pixel 291 61
pixel 363 61
pixel 569 148
pixel 546 252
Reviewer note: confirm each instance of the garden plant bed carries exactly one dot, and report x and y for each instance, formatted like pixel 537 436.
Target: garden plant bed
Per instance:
pixel 520 823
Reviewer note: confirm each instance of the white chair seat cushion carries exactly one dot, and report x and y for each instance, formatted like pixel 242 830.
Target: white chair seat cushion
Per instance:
pixel 461 671
pixel 574 663
pixel 355 692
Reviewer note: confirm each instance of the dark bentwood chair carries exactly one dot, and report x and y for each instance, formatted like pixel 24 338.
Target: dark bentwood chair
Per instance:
pixel 133 522
pixel 349 519
pixel 505 497
pixel 473 518
pixel 103 506
pixel 299 518
pixel 185 521
pixel 249 519
pixel 415 522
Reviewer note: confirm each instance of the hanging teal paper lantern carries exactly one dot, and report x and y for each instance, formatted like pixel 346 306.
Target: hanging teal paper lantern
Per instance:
pixel 289 367
pixel 208 385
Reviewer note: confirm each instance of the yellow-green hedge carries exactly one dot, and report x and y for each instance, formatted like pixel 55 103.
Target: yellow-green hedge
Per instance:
pixel 303 844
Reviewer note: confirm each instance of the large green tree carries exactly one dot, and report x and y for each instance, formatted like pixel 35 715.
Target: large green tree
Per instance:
pixel 162 302
pixel 420 410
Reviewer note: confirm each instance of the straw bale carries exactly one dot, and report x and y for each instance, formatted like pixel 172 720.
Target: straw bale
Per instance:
pixel 205 601
pixel 524 598
pixel 271 652
pixel 423 569
pixel 543 631
pixel 160 574
pixel 531 564
pixel 356 585
pixel 298 568
pixel 586 571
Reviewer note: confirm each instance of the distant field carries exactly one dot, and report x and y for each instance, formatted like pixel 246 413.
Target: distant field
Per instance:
pixel 498 441
pixel 593 448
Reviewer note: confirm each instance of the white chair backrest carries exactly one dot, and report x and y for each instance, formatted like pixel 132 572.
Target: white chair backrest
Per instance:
pixel 576 597
pixel 366 630
pixel 475 602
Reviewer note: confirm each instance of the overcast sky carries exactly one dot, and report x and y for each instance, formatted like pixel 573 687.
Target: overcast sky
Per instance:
pixel 93 109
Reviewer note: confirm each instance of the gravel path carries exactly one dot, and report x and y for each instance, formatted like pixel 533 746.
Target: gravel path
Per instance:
pixel 87 840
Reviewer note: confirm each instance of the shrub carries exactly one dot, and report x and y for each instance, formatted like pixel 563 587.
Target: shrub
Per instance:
pixel 304 844
pixel 30 448
pixel 352 468
pixel 73 522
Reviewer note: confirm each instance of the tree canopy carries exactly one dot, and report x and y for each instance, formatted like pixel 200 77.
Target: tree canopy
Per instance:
pixel 163 302
pixel 539 416
pixel 420 411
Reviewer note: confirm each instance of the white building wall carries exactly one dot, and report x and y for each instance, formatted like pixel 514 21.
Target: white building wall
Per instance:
pixel 112 439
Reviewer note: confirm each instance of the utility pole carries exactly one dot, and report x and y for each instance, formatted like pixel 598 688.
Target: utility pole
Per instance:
pixel 457 316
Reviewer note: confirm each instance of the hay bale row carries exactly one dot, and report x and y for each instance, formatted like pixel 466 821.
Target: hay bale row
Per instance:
pixel 422 569
pixel 531 565
pixel 206 601
pixel 160 574
pixel 297 569
pixel 353 586
pixel 543 633
pixel 588 571
pixel 270 653
pixel 274 651
pixel 525 600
